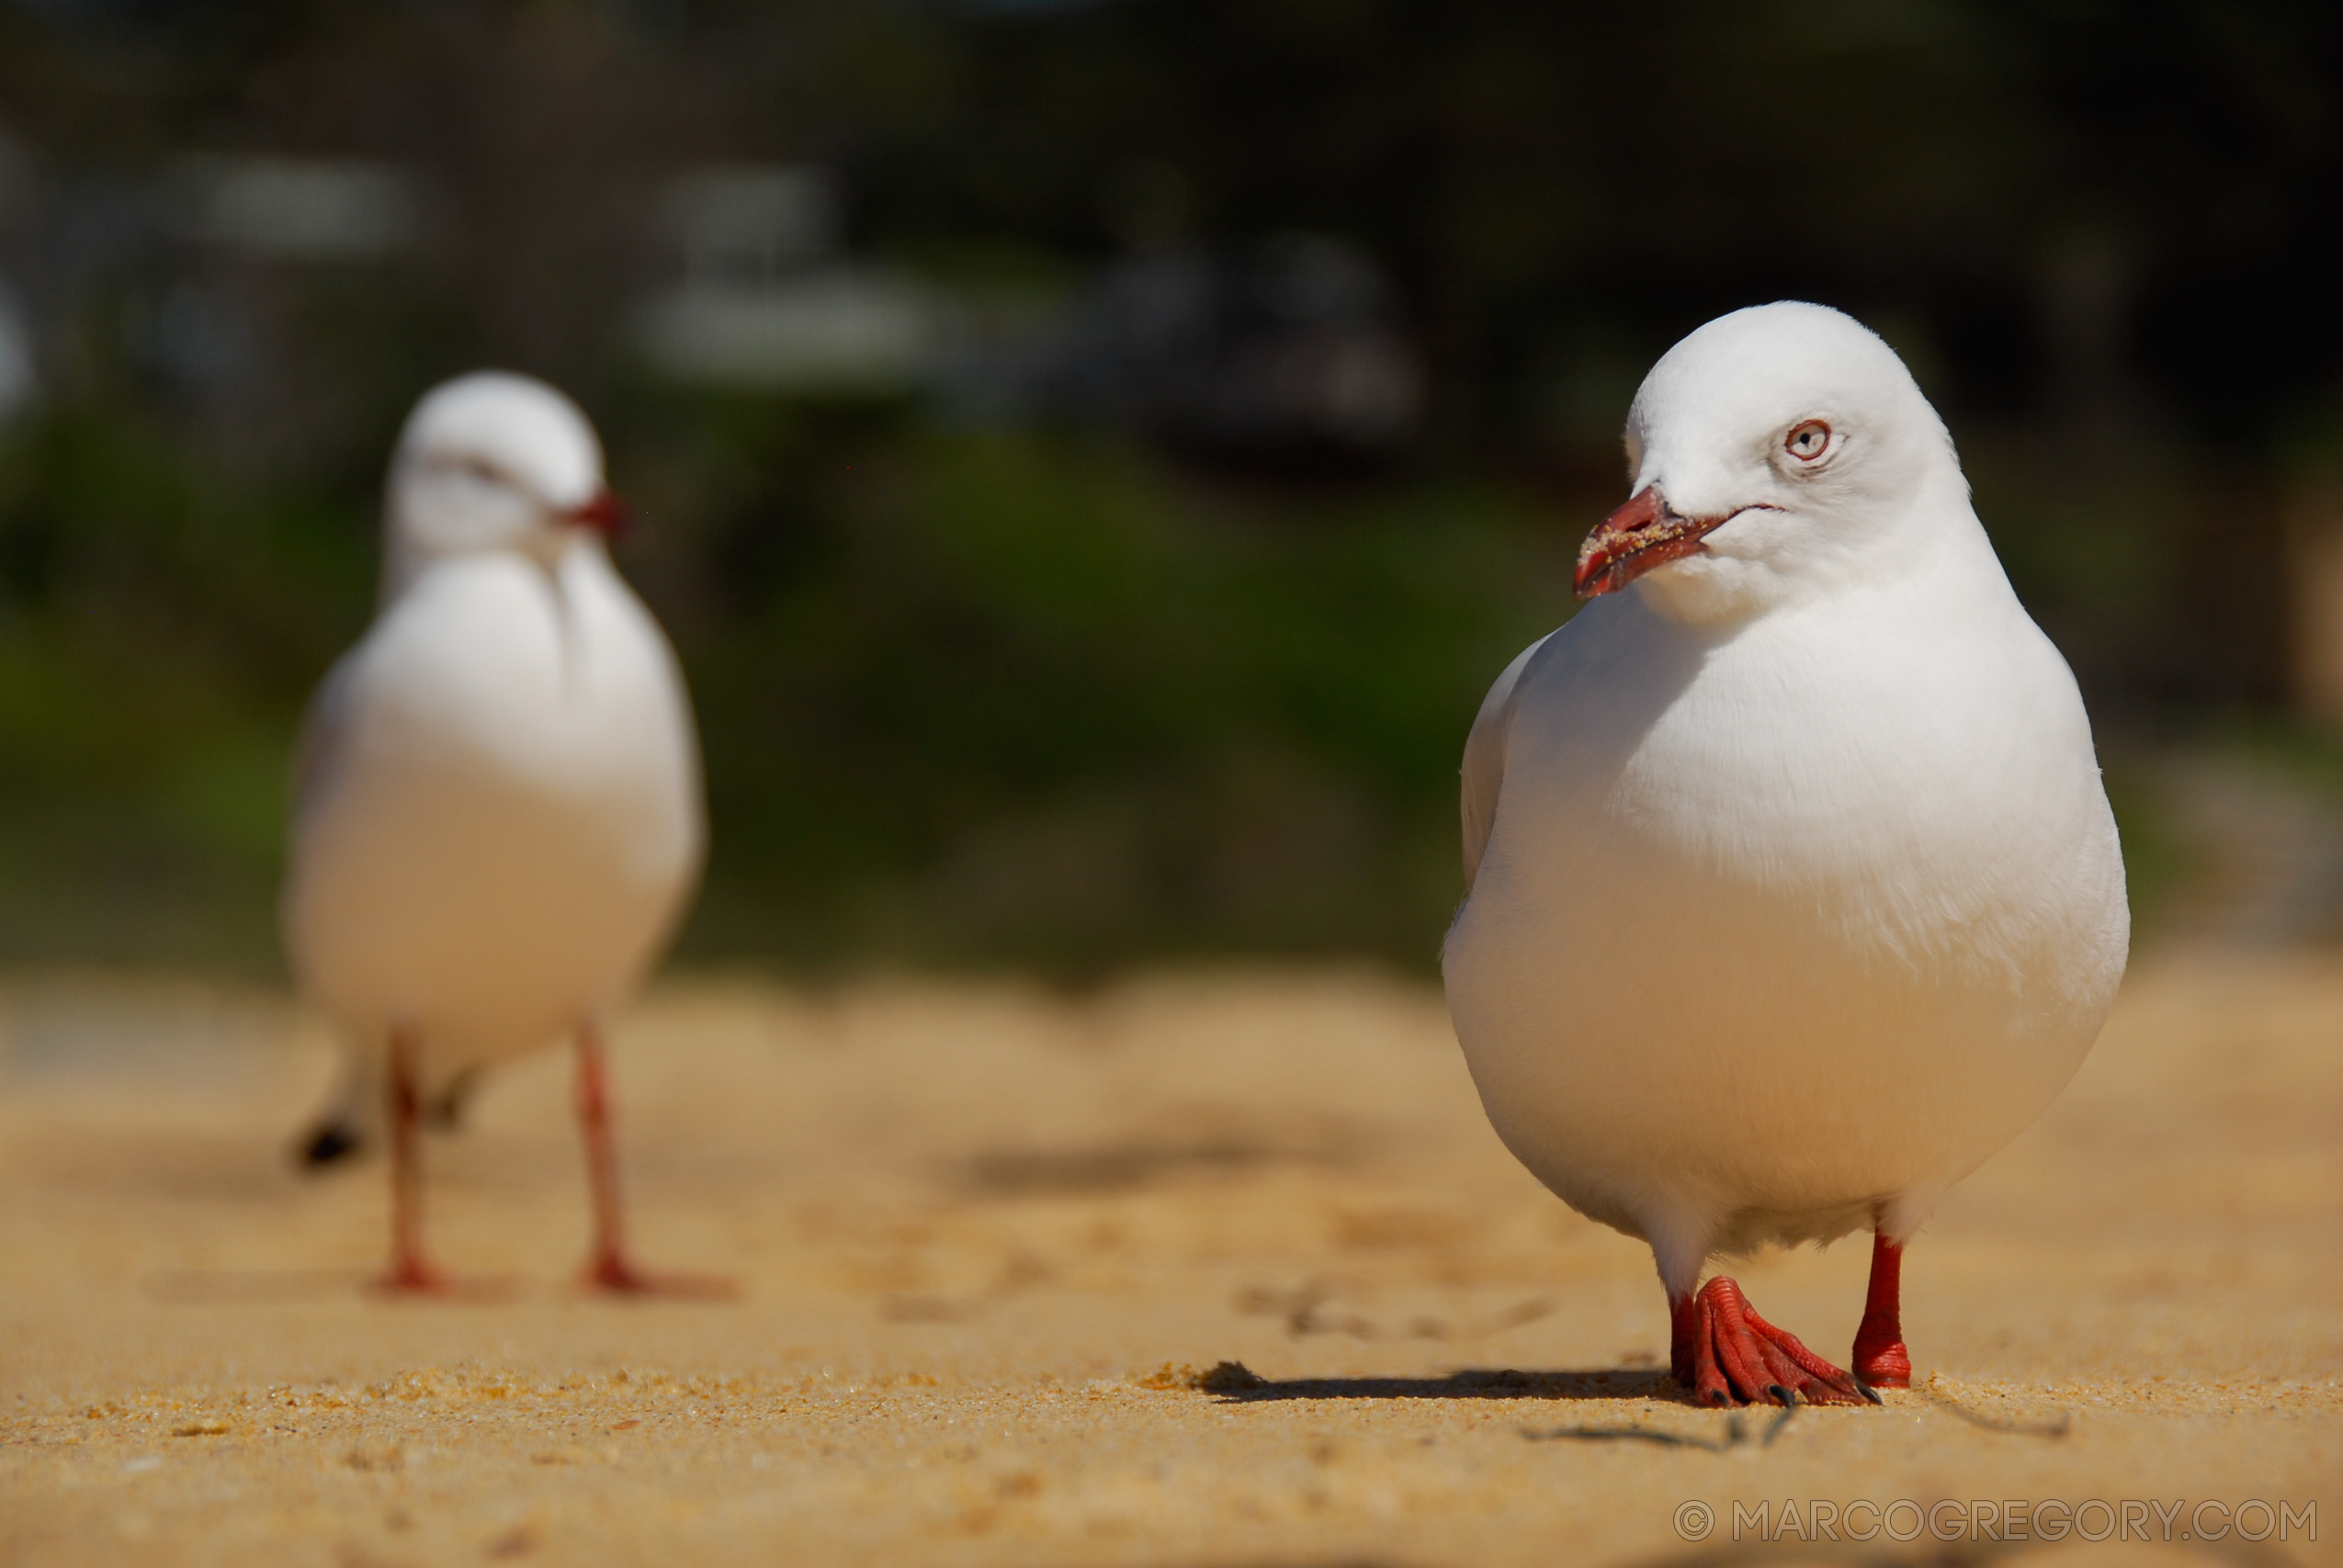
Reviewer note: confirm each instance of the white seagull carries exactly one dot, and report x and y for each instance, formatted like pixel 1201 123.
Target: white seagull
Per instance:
pixel 1792 894
pixel 499 809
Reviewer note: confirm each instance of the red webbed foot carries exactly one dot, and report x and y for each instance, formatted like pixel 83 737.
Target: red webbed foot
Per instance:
pixel 412 1279
pixel 1726 1354
pixel 414 1276
pixel 616 1275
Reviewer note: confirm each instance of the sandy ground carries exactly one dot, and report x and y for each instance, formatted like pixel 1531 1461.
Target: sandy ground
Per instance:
pixel 987 1237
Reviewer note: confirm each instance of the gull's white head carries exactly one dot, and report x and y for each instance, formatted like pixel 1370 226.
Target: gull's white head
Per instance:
pixel 1776 451
pixel 494 461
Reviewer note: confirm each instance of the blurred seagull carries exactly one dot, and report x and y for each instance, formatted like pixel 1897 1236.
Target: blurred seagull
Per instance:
pixel 498 814
pixel 1792 894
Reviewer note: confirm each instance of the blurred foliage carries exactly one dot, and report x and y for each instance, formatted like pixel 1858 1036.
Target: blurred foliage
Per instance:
pixel 157 629
pixel 1031 697
pixel 2162 861
pixel 1044 694
pixel 967 697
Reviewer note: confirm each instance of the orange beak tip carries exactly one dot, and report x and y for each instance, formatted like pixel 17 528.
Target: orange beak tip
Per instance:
pixel 1645 533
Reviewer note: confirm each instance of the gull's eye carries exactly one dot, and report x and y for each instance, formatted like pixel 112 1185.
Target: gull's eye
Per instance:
pixel 1808 441
pixel 464 465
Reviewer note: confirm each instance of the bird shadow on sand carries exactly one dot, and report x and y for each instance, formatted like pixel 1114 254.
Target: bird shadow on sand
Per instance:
pixel 247 1287
pixel 1240 1385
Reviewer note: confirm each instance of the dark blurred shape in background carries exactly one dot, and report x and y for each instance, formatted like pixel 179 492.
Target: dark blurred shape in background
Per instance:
pixel 1096 454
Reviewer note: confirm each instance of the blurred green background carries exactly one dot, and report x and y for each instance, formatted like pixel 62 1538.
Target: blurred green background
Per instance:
pixel 1095 454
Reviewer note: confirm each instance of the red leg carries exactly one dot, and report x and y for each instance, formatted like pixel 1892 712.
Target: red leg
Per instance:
pixel 1726 1354
pixel 610 1269
pixel 1687 1330
pixel 1880 1357
pixel 410 1270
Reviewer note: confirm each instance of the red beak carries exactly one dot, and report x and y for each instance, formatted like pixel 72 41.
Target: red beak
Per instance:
pixel 1643 533
pixel 605 514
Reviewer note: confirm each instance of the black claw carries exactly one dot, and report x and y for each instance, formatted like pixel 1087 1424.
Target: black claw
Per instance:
pixel 1782 1396
pixel 1865 1389
pixel 331 1141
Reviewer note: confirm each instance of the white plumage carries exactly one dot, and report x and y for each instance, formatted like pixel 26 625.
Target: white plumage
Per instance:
pixel 498 806
pixel 1793 893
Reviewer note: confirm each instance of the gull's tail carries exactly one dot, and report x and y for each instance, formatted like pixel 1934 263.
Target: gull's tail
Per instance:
pixel 352 1115
pixel 328 1142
